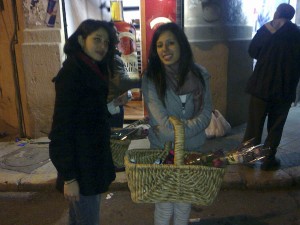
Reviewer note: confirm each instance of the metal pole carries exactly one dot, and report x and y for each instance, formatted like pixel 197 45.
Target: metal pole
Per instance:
pixel 13 42
pixel 64 19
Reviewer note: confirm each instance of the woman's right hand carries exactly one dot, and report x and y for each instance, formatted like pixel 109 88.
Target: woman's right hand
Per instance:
pixel 122 99
pixel 71 191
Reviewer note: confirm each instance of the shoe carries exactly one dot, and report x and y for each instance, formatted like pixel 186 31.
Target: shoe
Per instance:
pixel 270 164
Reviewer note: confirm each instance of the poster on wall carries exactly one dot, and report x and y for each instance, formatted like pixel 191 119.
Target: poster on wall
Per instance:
pixel 51 13
pixel 40 12
pixel 34 12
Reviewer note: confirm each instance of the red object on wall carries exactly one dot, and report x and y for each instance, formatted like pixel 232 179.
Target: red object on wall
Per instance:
pixel 153 14
pixel 157 12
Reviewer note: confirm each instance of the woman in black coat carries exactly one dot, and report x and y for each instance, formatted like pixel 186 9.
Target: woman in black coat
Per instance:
pixel 80 135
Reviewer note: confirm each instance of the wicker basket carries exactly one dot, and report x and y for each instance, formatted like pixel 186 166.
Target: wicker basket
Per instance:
pixel 118 150
pixel 121 139
pixel 150 183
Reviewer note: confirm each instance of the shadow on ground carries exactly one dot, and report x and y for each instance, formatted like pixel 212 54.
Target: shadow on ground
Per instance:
pixel 232 220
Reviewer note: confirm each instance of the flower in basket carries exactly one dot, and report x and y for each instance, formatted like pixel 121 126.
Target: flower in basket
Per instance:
pixel 213 159
pixel 219 163
pixel 244 155
pixel 170 158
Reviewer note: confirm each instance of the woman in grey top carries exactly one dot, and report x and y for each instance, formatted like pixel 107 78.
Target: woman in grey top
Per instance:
pixel 173 85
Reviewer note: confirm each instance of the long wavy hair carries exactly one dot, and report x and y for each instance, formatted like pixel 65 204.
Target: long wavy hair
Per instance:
pixel 87 27
pixel 156 71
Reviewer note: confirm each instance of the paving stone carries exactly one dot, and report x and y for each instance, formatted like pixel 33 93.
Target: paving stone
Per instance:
pixel 7 147
pixel 38 182
pixel 233 178
pixel 26 159
pixel 17 195
pixel 10 180
pixel 46 168
pixel 266 179
pixel 294 172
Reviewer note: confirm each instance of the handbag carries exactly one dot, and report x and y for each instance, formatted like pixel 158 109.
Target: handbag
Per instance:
pixel 218 126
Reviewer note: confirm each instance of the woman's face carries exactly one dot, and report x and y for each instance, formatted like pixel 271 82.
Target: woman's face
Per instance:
pixel 96 44
pixel 168 48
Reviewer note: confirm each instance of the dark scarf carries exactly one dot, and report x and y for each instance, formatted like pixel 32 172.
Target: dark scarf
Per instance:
pixel 192 84
pixel 92 64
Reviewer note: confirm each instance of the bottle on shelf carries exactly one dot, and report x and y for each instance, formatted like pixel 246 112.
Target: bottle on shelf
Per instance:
pixel 127 43
pixel 127 38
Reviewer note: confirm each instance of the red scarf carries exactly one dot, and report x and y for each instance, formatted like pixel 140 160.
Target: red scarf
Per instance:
pixel 92 64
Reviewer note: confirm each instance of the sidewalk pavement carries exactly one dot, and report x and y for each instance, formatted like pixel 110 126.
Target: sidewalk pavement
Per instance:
pixel 25 166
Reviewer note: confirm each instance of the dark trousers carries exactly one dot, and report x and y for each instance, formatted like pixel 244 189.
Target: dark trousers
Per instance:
pixel 117 120
pixel 276 112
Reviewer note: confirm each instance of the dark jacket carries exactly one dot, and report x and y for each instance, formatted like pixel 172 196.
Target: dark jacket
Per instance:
pixel 277 70
pixel 80 135
pixel 121 82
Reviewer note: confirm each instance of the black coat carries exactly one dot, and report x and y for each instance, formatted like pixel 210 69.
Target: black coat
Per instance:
pixel 121 82
pixel 80 135
pixel 277 70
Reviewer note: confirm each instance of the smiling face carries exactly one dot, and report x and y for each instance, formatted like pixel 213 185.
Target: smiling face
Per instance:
pixel 96 44
pixel 168 48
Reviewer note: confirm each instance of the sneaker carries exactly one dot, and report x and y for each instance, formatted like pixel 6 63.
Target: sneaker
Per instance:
pixel 270 164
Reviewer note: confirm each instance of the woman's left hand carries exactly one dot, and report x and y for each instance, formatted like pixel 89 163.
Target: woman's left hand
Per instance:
pixel 71 191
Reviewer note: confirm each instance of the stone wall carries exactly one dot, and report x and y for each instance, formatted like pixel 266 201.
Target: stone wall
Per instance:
pixel 42 58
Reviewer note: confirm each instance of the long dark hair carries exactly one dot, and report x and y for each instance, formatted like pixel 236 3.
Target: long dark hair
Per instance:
pixel 156 71
pixel 87 27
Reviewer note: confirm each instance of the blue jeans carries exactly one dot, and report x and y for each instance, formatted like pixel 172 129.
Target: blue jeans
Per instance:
pixel 86 211
pixel 166 210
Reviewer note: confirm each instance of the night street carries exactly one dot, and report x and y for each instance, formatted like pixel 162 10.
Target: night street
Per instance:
pixel 73 71
pixel 232 207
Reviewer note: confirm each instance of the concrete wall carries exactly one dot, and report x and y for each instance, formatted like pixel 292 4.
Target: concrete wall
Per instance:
pixel 230 68
pixel 42 58
pixel 42 54
pixel 220 37
pixel 205 55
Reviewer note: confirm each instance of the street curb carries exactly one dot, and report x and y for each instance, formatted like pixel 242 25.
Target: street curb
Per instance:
pixel 236 177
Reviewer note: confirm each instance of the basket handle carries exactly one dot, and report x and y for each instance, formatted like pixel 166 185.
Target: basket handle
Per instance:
pixel 178 140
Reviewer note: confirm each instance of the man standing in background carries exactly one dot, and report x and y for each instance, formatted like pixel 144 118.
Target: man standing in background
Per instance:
pixel 272 86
